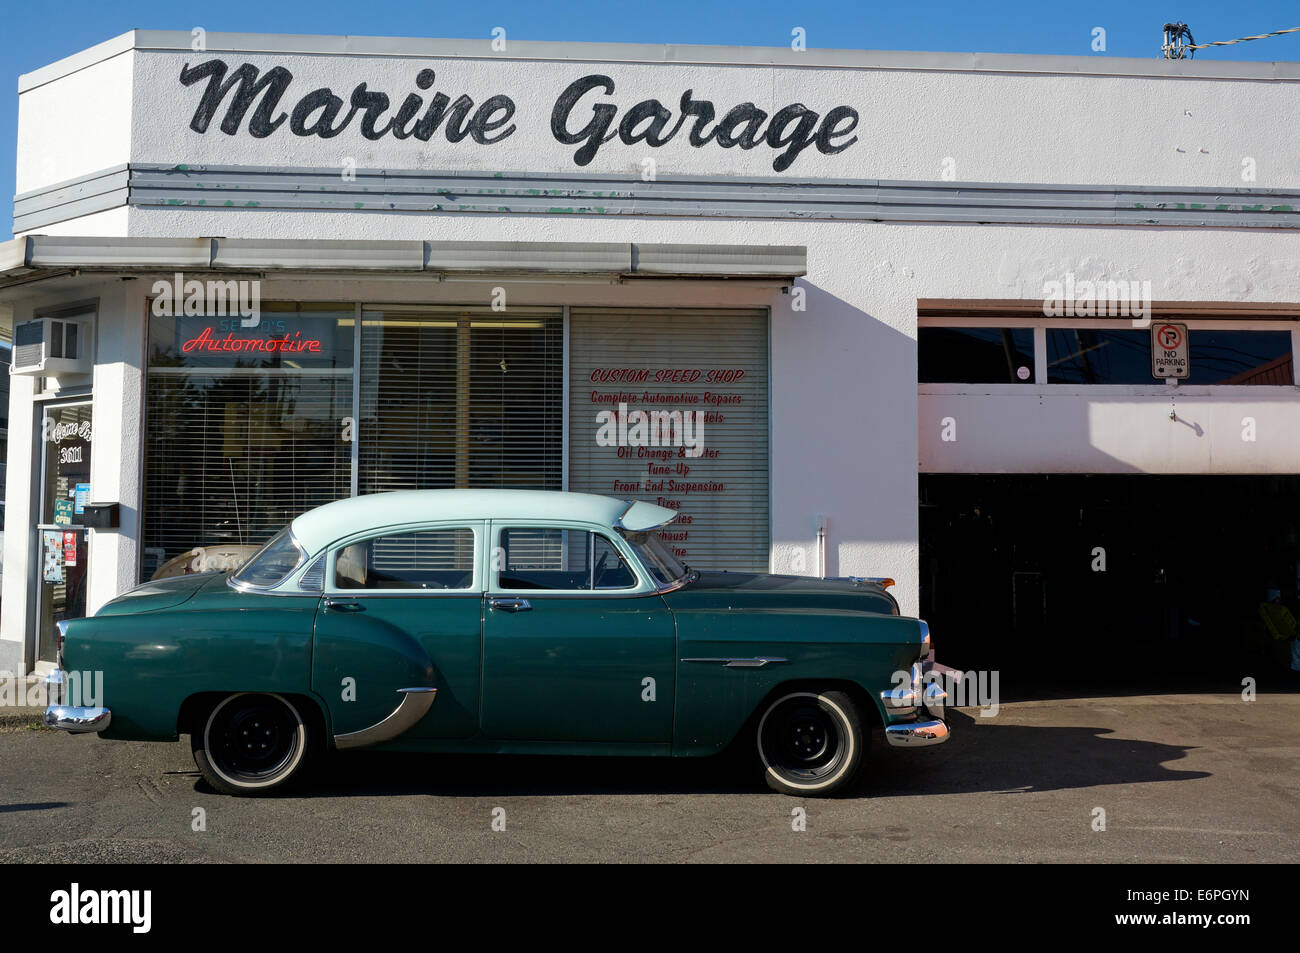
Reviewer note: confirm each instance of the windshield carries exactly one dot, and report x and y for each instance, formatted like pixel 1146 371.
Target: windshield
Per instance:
pixel 655 555
pixel 272 563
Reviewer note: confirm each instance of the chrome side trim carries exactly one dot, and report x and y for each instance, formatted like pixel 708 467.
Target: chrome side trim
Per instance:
pixel 755 662
pixel 415 704
pixel 77 720
pixel 919 734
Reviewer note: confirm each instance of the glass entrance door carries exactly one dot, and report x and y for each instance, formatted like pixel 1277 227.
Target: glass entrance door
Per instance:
pixel 60 536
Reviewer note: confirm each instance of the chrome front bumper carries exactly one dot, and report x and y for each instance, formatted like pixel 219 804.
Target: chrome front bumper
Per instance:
pixel 918 734
pixel 903 706
pixel 70 717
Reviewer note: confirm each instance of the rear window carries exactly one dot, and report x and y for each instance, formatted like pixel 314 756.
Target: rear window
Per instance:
pixel 281 556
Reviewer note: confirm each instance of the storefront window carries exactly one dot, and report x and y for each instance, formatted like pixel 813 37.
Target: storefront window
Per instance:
pixel 246 428
pixel 249 427
pixel 461 398
pixel 1123 356
pixel 1239 357
pixel 975 355
pixel 671 406
pixel 1090 356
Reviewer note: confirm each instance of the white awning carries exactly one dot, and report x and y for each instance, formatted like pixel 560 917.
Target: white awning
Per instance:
pixel 41 257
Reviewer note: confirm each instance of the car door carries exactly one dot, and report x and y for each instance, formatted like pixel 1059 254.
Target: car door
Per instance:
pixel 577 644
pixel 402 608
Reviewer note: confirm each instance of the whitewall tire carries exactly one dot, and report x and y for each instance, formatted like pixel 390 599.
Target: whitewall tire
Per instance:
pixel 811 743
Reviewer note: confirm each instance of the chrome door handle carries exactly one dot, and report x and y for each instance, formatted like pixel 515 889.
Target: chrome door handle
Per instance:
pixel 339 605
pixel 509 604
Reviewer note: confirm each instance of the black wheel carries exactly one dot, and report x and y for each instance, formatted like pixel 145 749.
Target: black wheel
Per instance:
pixel 811 743
pixel 252 743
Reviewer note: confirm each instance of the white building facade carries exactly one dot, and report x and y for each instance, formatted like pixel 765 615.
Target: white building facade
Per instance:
pixel 833 264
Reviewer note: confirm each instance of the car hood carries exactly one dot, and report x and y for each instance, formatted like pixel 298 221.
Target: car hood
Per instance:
pixel 162 593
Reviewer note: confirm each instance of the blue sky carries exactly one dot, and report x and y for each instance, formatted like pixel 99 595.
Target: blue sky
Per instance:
pixel 39 33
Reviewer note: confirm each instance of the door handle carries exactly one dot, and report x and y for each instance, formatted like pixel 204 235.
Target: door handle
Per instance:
pixel 342 606
pixel 509 604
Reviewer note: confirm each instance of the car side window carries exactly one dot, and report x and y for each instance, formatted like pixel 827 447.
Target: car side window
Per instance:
pixel 560 560
pixel 428 559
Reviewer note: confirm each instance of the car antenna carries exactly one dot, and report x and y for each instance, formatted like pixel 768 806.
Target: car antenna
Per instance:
pixel 234 490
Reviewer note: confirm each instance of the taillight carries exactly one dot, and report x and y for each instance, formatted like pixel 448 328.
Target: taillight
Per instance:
pixel 62 629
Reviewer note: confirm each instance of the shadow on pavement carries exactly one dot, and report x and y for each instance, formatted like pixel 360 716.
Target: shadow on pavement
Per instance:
pixel 37 806
pixel 988 758
pixel 1018 759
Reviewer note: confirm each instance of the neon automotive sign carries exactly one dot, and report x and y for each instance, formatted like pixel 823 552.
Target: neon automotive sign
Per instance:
pixel 294 343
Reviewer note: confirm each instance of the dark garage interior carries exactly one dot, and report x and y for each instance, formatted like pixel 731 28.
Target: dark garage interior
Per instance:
pixel 1011 579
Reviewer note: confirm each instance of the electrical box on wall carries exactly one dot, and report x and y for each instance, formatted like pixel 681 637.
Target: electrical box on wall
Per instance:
pixel 53 347
pixel 102 516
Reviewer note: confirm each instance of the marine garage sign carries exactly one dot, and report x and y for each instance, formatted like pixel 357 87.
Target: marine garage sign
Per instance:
pixel 587 114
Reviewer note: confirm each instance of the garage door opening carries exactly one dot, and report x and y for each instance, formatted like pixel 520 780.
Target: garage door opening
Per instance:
pixel 1110 582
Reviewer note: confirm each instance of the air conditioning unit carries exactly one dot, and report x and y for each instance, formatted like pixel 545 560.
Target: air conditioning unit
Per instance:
pixel 52 347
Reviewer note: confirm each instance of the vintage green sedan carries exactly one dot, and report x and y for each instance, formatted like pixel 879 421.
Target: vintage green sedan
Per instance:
pixel 499 621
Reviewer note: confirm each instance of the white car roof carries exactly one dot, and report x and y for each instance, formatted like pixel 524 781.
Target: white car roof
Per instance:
pixel 317 528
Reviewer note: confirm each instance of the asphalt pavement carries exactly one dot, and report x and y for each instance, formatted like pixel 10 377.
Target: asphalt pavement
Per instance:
pixel 1163 778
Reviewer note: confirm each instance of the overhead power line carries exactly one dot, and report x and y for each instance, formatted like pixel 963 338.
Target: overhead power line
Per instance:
pixel 1175 48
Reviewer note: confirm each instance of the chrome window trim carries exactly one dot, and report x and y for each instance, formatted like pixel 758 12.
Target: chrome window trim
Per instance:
pixel 645 585
pixel 617 525
pixel 685 579
pixel 303 557
pixel 690 576
pixel 352 595
pixel 310 565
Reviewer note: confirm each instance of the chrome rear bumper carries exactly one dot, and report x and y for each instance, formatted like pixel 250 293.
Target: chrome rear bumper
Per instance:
pixel 77 720
pixel 71 717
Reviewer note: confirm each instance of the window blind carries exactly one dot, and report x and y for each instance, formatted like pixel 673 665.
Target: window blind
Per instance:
pixel 712 362
pixel 461 398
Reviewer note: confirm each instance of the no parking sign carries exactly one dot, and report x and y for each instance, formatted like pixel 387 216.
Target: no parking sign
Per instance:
pixel 1169 350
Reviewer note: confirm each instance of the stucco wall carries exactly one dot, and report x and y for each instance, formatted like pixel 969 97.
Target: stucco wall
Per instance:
pixel 1006 127
pixel 115 458
pixel 76 125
